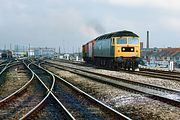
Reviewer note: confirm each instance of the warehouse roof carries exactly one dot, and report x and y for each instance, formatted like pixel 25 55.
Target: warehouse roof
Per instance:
pixel 166 52
pixel 117 34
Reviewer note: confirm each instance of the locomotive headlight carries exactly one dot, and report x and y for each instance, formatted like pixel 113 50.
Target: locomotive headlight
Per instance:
pixel 123 49
pixel 132 49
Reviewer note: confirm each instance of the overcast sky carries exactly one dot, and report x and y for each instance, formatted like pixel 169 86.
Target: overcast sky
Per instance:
pixel 71 23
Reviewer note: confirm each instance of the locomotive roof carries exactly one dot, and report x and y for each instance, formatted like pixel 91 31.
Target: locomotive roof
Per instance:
pixel 117 34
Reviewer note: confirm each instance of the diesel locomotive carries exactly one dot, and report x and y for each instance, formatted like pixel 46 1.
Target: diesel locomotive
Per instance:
pixel 115 50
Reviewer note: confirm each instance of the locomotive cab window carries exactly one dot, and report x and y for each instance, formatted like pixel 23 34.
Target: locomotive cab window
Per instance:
pixel 133 40
pixel 121 40
pixel 113 40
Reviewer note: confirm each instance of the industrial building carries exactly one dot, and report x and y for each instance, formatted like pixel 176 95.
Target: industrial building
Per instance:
pixel 6 54
pixel 34 52
pixel 44 52
pixel 161 56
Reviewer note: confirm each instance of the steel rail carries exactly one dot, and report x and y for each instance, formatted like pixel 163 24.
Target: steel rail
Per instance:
pixel 148 91
pixel 156 70
pixel 8 65
pixel 121 79
pixel 122 116
pixel 3 62
pixel 46 97
pixel 62 106
pixel 5 68
pixel 41 103
pixel 95 100
pixel 168 74
pixel 51 91
pixel 19 90
pixel 35 108
pixel 50 74
pixel 2 65
pixel 156 73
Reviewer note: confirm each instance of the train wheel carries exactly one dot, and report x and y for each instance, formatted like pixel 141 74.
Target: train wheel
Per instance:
pixel 129 66
pixel 114 66
pixel 133 66
pixel 119 66
pixel 109 64
pixel 125 66
pixel 97 62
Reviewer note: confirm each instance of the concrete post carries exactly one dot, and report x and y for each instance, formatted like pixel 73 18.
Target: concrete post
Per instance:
pixel 77 58
pixel 171 66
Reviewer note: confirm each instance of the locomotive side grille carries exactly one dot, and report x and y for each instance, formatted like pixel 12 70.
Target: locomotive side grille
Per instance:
pixel 127 49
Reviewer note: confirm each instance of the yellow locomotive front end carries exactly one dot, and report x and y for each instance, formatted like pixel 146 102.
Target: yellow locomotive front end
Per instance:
pixel 127 51
pixel 127 47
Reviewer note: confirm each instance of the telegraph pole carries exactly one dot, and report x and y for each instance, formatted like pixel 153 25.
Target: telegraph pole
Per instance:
pixel 17 48
pixel 10 46
pixel 29 50
pixel 5 47
pixel 79 51
pixel 148 39
pixel 59 50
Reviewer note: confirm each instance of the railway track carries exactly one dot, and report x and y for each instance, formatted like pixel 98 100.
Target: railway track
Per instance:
pixel 27 61
pixel 22 100
pixel 4 62
pixel 45 86
pixel 159 74
pixel 82 105
pixel 153 70
pixel 10 83
pixel 28 98
pixel 143 72
pixel 46 77
pixel 53 108
pixel 50 107
pixel 3 67
pixel 25 102
pixel 77 103
pixel 164 94
pixel 58 99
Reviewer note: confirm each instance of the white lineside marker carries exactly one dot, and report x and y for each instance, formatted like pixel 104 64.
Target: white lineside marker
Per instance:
pixel 77 58
pixel 171 66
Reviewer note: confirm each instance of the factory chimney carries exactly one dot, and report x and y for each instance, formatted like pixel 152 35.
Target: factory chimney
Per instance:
pixel 147 39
